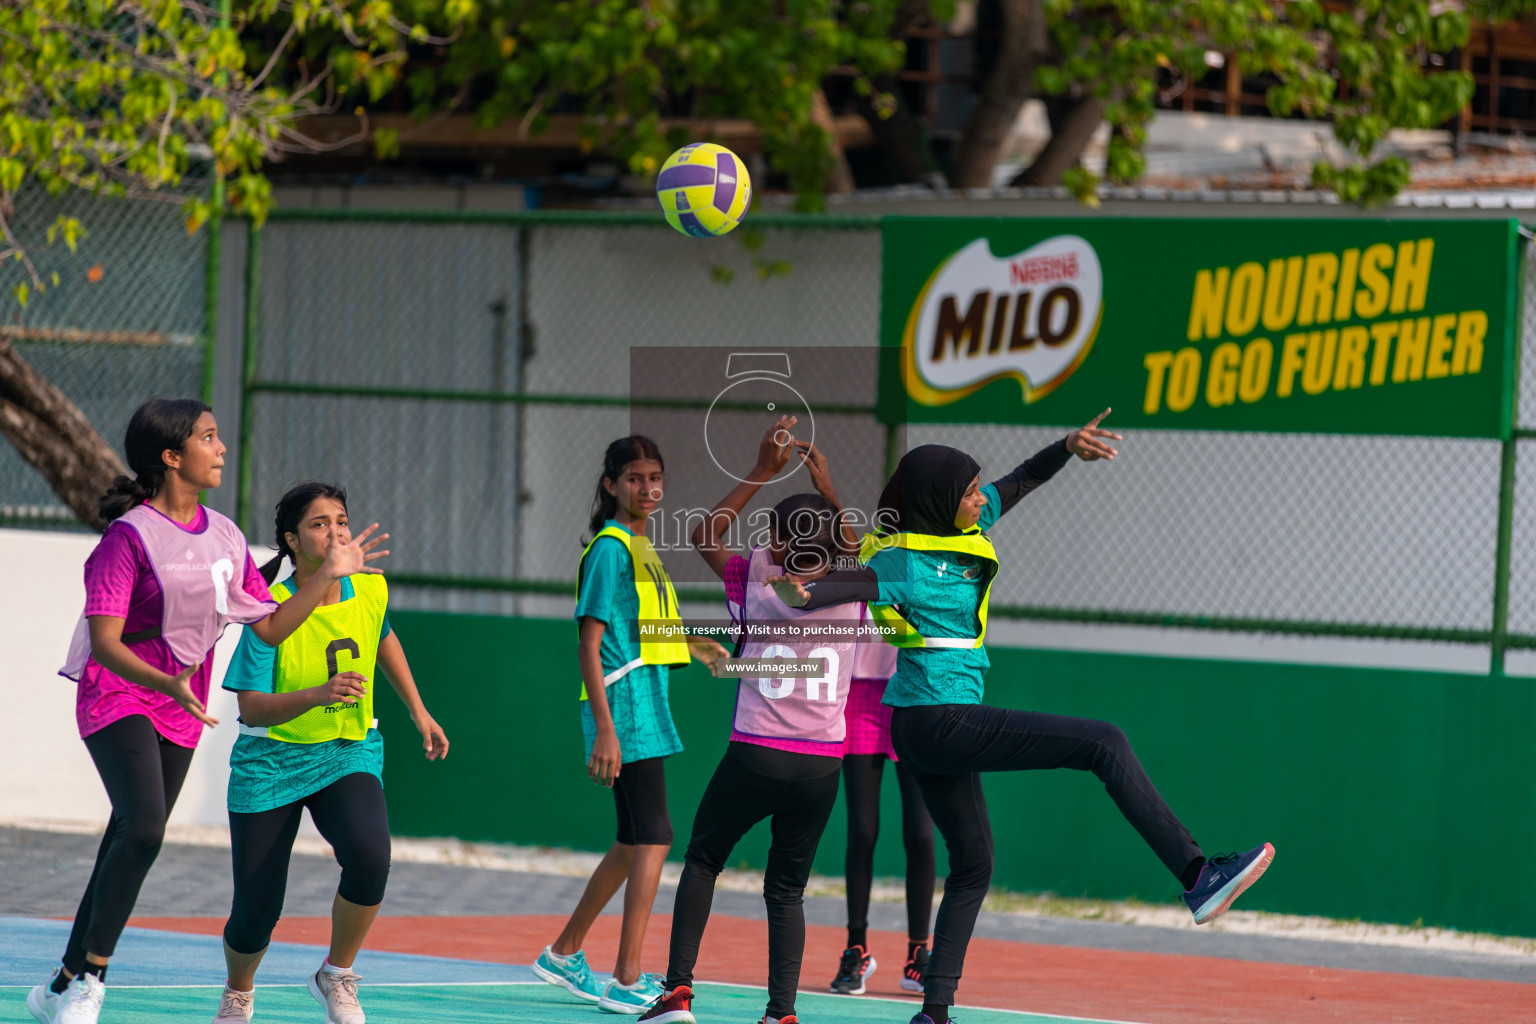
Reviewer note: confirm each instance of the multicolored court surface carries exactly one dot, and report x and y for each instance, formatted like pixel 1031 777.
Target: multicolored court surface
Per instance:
pixel 172 969
pixel 453 944
pixel 161 975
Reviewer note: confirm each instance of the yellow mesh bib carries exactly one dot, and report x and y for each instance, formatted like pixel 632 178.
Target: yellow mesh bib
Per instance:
pixel 658 608
pixel 902 633
pixel 341 637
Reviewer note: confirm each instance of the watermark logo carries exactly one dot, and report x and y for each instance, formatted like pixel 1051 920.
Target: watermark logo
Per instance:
pixel 1031 316
pixel 757 380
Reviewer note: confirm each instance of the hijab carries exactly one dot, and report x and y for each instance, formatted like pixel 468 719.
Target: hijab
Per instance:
pixel 924 493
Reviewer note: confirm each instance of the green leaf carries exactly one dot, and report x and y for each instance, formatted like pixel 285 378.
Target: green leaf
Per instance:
pixel 386 143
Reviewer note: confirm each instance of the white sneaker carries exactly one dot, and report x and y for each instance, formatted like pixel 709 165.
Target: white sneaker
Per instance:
pixel 43 1001
pixel 236 1006
pixel 338 994
pixel 81 1001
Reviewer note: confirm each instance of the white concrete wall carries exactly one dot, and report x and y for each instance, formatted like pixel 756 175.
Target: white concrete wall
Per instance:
pixel 46 775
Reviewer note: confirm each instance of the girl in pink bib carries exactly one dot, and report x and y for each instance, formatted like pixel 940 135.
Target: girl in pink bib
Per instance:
pixel 787 735
pixel 167 578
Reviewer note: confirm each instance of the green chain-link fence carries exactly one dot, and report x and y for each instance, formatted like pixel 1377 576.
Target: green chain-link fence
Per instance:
pixel 461 373
pixel 126 322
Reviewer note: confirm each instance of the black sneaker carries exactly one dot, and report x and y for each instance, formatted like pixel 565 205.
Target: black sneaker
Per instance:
pixel 853 971
pixel 1223 879
pixel 915 971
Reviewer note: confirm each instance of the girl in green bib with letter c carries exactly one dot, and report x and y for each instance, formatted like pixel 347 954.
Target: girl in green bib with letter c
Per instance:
pixel 308 738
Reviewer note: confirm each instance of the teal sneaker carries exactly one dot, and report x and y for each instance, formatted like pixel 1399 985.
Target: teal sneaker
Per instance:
pixel 570 973
pixel 636 998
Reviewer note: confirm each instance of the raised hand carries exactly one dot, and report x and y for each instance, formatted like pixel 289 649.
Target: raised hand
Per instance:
pixel 354 555
pixel 773 451
pixel 815 463
pixel 181 691
pixel 342 688
pixel 1085 443
pixel 789 590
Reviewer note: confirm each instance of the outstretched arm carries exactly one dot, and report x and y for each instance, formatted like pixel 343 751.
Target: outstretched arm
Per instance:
pixel 772 456
pixel 1087 444
pixel 342 560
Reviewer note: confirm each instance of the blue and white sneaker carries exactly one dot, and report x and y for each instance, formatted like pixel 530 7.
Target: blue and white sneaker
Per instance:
pixel 570 973
pixel 1223 880
pixel 923 1018
pixel 636 998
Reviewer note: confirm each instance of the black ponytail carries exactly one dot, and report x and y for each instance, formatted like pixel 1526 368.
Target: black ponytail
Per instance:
pixel 290 512
pixel 619 454
pixel 157 425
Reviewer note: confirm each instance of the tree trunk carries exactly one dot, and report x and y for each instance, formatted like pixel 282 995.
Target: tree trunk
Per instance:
pixel 1008 83
pixel 54 436
pixel 840 177
pixel 900 135
pixel 1072 126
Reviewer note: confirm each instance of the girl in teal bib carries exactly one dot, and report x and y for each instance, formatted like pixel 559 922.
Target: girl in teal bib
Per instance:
pixel 308 739
pixel 625 719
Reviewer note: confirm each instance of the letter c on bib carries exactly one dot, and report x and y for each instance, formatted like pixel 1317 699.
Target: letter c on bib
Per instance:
pixel 222 571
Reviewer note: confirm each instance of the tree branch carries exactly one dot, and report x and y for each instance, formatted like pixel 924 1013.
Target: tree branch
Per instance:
pixel 51 433
pixel 1074 119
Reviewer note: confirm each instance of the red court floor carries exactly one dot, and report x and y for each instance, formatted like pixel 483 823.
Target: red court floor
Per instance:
pixel 1100 984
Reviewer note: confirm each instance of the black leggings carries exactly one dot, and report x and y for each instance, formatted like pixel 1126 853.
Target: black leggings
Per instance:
pixel 349 813
pixel 751 783
pixel 861 784
pixel 640 801
pixel 946 745
pixel 143 772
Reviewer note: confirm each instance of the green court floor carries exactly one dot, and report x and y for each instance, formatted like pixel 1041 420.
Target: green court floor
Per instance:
pixel 494 1004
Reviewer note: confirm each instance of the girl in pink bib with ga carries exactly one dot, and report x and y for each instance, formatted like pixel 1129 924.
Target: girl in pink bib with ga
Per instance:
pixel 786 743
pixel 167 578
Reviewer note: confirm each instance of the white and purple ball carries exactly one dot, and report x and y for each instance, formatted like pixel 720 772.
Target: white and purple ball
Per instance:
pixel 704 190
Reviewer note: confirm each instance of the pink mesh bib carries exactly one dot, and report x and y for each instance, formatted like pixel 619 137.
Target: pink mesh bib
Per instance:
pixel 875 659
pixel 789 708
pixel 200 584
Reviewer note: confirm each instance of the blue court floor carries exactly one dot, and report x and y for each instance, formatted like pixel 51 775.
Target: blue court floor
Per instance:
pixel 158 976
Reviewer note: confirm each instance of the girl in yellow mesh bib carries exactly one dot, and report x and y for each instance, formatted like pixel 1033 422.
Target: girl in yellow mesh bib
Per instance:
pixel 308 738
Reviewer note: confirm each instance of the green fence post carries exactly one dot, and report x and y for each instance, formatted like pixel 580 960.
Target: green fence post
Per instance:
pixel 893 450
pixel 211 269
pixel 1519 308
pixel 248 373
pixel 211 293
pixel 1501 559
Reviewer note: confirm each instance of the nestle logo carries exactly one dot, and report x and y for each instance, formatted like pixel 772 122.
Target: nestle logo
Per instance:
pixel 1043 268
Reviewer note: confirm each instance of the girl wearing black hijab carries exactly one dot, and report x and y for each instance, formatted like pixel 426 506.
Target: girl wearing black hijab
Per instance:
pixel 927 573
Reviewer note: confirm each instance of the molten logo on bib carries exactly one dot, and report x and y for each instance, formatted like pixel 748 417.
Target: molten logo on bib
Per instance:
pixel 1031 316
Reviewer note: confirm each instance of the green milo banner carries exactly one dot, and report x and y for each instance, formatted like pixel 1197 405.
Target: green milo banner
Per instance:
pixel 1324 326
